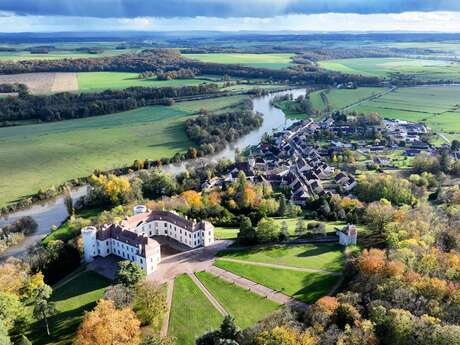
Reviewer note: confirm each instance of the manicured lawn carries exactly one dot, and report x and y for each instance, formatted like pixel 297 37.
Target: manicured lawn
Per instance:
pixel 40 155
pixel 91 81
pixel 325 256
pixel 222 233
pixel 246 307
pixel 383 67
pixel 304 286
pixel 274 61
pixel 192 314
pixel 72 300
pixel 330 225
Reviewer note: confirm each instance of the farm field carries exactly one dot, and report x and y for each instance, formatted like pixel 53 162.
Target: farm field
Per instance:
pixel 72 299
pixel 342 98
pixel 382 67
pixel 40 155
pixel 94 81
pixel 304 286
pixel 273 61
pixel 437 107
pixel 245 306
pixel 56 55
pixel 326 256
pixel 191 312
pixel 43 83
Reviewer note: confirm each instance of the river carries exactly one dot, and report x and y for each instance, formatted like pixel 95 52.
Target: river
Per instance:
pixel 54 212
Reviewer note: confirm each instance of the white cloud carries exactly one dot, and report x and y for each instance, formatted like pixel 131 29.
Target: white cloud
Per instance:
pixel 407 21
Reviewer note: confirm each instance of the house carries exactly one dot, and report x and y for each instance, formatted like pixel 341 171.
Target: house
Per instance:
pixel 347 235
pixel 131 239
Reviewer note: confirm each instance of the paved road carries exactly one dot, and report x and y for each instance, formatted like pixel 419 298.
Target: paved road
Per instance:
pixel 261 290
pixel 265 264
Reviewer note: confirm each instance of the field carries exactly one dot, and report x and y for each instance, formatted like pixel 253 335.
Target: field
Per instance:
pixel 56 55
pixel 342 98
pixel 191 312
pixel 40 155
pixel 437 107
pixel 225 233
pixel 43 83
pixel 305 286
pixel 273 61
pixel 246 307
pixel 384 67
pixel 93 81
pixel 328 257
pixel 72 300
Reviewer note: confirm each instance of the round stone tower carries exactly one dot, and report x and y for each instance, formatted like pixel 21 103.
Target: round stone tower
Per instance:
pixel 89 243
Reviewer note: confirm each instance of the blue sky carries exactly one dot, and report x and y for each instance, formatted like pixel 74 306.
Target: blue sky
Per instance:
pixel 230 15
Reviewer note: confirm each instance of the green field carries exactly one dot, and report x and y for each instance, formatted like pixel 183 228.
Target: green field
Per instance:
pixel 437 107
pixel 384 67
pixel 245 306
pixel 38 156
pixel 342 98
pixel 192 314
pixel 304 286
pixel 226 233
pixel 72 300
pixel 327 256
pixel 93 81
pixel 274 61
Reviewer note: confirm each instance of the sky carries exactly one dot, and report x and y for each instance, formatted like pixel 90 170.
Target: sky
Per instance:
pixel 229 15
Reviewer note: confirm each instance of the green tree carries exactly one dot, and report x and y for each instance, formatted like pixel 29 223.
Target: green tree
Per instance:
pixel 23 341
pixel 293 211
pixel 228 329
pixel 267 230
pixel 129 273
pixel 247 234
pixel 11 310
pixel 42 307
pixel 284 230
pixel 300 228
pixel 4 338
pixel 157 340
pixel 149 303
pixel 282 206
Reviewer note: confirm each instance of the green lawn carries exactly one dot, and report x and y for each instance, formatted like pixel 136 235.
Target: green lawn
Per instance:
pixel 92 81
pixel 304 286
pixel 274 61
pixel 245 306
pixel 222 233
pixel 326 256
pixel 72 300
pixel 192 314
pixel 40 155
pixel 420 69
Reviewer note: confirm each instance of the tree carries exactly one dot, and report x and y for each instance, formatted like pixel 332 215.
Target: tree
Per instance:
pixel 23 341
pixel 300 228
pixel 293 211
pixel 129 273
pixel 68 201
pixel 14 274
pixel 378 214
pixel 282 206
pixel 192 198
pixel 267 230
pixel 120 295
pixel 284 232
pixel 4 338
pixel 226 335
pixel 11 310
pixel 150 303
pixel 106 325
pixel 42 307
pixel 156 340
pixel 228 329
pixel 247 234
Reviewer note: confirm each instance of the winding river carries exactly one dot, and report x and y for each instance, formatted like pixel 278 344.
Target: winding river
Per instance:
pixel 53 212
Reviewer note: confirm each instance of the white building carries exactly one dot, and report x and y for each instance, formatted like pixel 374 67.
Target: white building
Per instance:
pixel 348 235
pixel 131 238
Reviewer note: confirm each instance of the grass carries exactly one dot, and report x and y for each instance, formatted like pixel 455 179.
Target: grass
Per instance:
pixel 222 233
pixel 245 306
pixel 93 81
pixel 304 286
pixel 40 155
pixel 72 300
pixel 273 61
pixel 315 256
pixel 420 69
pixel 192 314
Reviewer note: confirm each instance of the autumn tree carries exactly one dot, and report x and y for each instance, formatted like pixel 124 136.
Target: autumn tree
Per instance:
pixel 106 325
pixel 121 296
pixel 192 198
